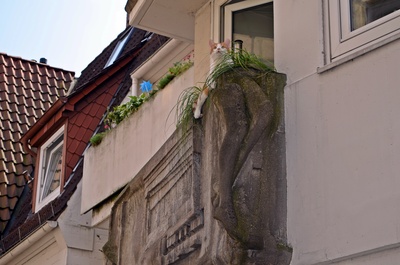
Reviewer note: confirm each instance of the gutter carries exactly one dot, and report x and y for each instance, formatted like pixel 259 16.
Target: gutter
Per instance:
pixel 39 124
pixel 30 241
pixel 151 63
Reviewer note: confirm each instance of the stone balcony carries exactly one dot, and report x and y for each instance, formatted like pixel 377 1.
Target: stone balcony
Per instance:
pixel 127 148
pixel 215 191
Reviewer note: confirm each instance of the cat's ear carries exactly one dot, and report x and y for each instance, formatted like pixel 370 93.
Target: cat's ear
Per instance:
pixel 211 43
pixel 227 42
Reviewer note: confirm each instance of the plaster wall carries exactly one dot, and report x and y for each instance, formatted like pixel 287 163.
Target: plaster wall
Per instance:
pixel 120 156
pixel 343 145
pixel 298 32
pixel 94 257
pixel 201 48
pixel 83 240
pixel 69 240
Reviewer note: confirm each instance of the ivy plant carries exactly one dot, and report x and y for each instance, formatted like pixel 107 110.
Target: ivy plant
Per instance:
pixel 119 113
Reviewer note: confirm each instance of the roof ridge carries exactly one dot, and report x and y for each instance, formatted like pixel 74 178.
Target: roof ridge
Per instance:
pixel 32 61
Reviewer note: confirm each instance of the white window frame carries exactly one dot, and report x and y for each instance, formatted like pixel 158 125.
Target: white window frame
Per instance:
pixel 343 42
pixel 40 202
pixel 230 9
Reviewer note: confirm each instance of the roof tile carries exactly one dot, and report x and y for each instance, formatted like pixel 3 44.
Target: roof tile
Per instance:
pixel 4 204
pixel 3 189
pixel 72 146
pixel 94 110
pixel 88 134
pixel 4 215
pixel 12 202
pixel 13 190
pixel 80 120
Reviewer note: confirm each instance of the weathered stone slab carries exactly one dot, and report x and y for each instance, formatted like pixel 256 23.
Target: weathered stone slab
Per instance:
pixel 158 217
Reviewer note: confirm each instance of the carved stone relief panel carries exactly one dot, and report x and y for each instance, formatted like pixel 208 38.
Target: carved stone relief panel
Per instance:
pixel 171 217
pixel 215 193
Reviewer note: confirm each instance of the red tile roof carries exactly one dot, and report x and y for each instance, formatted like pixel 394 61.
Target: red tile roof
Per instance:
pixel 96 90
pixel 27 90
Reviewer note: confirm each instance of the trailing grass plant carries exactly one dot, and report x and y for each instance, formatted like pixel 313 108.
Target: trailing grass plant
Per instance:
pixel 164 81
pixel 97 138
pixel 239 59
pixel 184 107
pixel 231 61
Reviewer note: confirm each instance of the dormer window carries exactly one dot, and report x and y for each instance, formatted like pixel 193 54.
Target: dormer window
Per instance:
pixel 50 169
pixel 118 48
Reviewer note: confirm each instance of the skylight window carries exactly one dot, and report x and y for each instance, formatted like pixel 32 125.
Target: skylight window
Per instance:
pixel 118 48
pixel 147 36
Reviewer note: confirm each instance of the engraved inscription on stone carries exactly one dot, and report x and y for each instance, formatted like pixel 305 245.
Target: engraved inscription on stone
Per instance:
pixel 184 240
pixel 195 223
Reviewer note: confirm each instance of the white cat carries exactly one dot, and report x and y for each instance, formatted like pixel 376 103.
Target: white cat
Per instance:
pixel 217 53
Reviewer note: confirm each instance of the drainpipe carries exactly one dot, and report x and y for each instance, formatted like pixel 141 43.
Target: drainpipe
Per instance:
pixel 50 113
pixel 27 148
pixel 212 20
pixel 30 241
pixel 135 86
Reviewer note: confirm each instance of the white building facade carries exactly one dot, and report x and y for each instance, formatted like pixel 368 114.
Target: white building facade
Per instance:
pixel 341 111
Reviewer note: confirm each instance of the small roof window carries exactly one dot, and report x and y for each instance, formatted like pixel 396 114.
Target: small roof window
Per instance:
pixel 118 48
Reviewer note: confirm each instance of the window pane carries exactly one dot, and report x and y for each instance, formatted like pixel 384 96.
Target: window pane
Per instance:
pixel 255 27
pixel 118 48
pixel 53 173
pixel 50 180
pixel 366 11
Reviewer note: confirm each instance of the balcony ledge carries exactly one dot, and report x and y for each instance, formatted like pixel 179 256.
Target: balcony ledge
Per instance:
pixel 127 148
pixel 172 18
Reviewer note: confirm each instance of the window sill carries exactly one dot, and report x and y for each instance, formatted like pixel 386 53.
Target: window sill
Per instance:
pixel 356 54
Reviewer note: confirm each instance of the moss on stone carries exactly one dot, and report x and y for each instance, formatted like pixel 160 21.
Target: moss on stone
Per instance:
pixel 271 83
pixel 284 247
pixel 111 252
